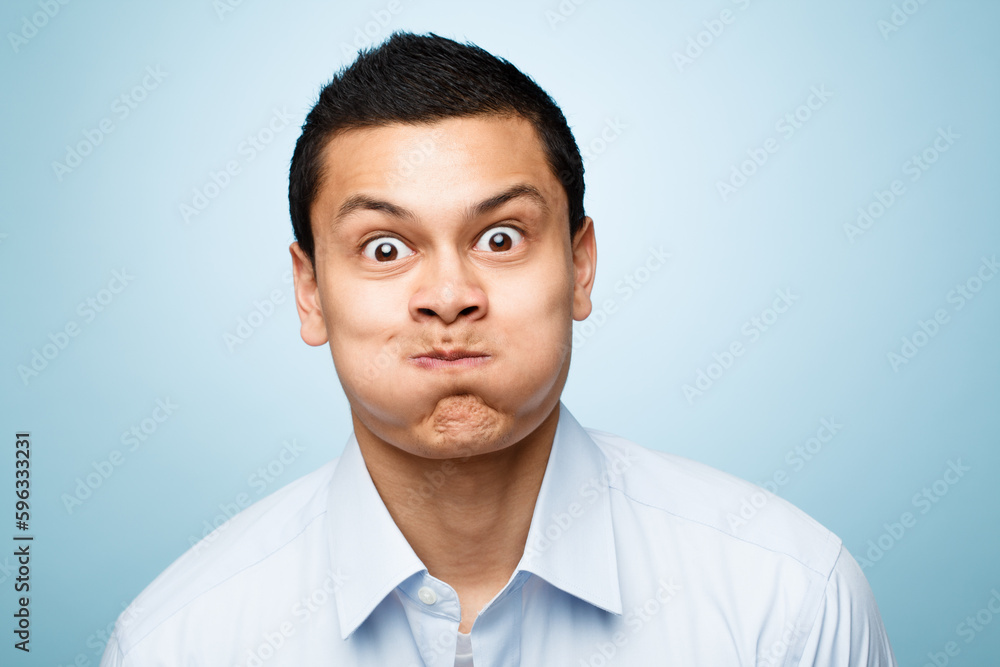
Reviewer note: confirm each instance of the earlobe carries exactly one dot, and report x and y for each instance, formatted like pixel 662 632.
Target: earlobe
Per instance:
pixel 584 269
pixel 307 300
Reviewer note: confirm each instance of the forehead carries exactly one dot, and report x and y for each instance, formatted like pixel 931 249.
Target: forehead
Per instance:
pixel 452 161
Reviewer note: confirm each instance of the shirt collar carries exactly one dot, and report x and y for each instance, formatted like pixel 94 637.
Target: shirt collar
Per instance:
pixel 366 547
pixel 570 542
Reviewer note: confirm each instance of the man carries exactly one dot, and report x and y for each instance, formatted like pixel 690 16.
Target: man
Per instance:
pixel 443 253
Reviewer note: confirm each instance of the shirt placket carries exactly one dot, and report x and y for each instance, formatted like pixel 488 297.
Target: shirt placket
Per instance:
pixel 433 611
pixel 496 635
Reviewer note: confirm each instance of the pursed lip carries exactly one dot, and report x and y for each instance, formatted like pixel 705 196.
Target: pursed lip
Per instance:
pixel 450 358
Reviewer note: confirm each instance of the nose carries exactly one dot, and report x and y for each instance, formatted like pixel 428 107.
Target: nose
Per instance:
pixel 448 290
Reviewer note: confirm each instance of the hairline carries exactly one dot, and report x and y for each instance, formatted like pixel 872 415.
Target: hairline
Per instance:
pixel 321 171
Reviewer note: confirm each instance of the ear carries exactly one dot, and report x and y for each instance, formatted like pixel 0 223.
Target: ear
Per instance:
pixel 307 298
pixel 584 269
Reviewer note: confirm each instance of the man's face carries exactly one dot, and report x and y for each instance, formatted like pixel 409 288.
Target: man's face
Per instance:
pixel 445 281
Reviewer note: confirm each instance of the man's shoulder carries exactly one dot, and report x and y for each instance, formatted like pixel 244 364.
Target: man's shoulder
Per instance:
pixel 682 490
pixel 264 530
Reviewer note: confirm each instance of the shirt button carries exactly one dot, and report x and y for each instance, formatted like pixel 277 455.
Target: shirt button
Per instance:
pixel 427 595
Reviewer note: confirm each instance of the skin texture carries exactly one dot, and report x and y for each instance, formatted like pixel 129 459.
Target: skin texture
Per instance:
pixel 452 343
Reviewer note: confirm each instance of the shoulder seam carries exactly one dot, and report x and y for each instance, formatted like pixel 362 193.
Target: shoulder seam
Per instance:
pixel 819 605
pixel 830 536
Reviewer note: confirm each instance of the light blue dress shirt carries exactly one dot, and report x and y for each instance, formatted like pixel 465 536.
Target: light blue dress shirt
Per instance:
pixel 634 557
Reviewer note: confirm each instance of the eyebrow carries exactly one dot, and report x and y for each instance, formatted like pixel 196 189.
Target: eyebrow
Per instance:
pixel 362 202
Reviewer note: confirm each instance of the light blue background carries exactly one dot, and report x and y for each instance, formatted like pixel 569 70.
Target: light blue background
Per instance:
pixel 654 184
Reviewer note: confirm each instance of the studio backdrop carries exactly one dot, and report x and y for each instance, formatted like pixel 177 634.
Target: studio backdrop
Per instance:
pixel 798 237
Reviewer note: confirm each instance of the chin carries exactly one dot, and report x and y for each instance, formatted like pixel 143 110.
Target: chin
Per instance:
pixel 465 422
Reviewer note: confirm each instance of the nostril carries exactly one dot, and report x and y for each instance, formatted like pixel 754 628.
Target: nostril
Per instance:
pixel 469 310
pixel 427 311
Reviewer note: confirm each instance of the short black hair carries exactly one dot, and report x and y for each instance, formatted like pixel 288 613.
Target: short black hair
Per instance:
pixel 423 79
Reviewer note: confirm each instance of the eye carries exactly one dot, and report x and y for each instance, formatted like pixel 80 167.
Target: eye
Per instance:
pixel 499 239
pixel 386 249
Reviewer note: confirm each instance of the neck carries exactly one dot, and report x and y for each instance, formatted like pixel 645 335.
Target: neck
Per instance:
pixel 467 518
